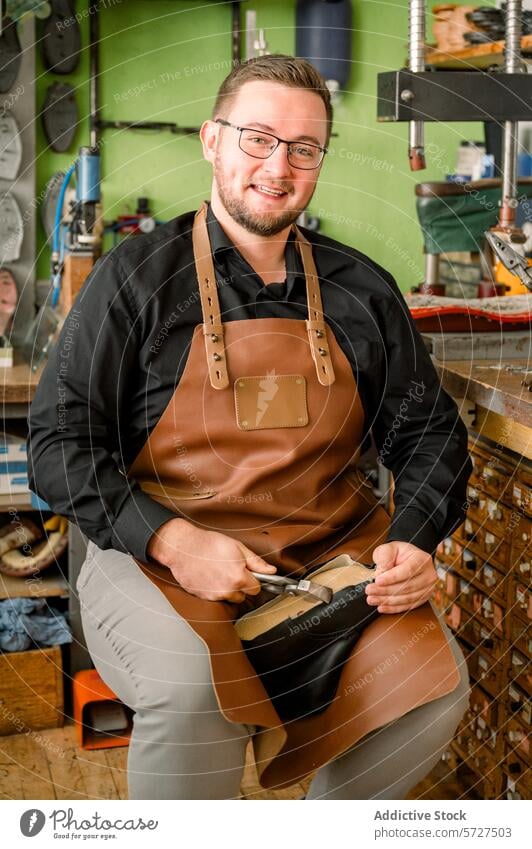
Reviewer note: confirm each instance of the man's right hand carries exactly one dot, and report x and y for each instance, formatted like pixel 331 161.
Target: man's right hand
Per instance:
pixel 207 564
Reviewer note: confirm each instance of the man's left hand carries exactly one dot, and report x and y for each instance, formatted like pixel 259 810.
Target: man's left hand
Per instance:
pixel 404 578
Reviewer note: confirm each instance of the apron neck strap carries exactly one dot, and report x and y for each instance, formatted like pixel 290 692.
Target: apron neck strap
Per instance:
pixel 213 329
pixel 316 329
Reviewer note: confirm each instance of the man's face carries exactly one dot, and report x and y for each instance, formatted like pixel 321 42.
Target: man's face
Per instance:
pixel 266 195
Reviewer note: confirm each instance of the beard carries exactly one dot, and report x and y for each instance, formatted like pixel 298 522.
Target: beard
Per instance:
pixel 258 223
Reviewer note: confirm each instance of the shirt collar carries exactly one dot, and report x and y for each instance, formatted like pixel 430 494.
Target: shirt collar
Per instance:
pixel 220 243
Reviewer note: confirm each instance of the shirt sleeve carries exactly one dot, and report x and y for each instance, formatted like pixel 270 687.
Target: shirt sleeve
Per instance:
pixel 74 420
pixel 419 435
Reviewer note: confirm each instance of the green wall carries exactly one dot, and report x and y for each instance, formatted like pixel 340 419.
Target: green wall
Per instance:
pixel 163 61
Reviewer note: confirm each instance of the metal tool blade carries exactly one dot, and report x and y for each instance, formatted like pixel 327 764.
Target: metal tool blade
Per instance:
pixel 317 590
pixel 279 583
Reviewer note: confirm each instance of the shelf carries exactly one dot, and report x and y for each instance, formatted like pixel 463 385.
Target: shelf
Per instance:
pixel 18 383
pixel 479 56
pixel 17 390
pixel 15 502
pixel 44 584
pixel 19 502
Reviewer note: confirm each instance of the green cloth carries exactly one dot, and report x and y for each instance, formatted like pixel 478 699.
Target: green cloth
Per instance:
pixel 458 223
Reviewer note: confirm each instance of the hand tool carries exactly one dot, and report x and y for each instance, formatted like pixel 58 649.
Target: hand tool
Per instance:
pixel 279 584
pixel 512 261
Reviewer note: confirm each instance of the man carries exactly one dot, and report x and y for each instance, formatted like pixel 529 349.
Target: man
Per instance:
pixel 217 396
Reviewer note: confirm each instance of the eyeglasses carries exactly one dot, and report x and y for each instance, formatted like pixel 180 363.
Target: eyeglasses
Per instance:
pixel 261 145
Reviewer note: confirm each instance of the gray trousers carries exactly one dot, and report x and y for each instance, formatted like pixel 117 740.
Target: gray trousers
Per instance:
pixel 182 747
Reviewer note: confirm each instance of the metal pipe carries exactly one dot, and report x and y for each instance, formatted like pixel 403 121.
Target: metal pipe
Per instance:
pixel 416 63
pixel 486 263
pixel 235 32
pixel 432 269
pixel 94 75
pixel 512 65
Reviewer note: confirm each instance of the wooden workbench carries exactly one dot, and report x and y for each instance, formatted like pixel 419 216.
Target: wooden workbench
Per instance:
pixel 503 406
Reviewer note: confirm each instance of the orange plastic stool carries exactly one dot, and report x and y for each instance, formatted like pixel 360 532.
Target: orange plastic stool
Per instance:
pixel 88 687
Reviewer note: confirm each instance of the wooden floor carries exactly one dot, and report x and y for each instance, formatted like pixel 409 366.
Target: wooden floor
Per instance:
pixel 50 765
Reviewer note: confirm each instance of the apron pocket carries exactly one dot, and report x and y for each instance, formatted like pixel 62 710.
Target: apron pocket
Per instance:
pixel 174 493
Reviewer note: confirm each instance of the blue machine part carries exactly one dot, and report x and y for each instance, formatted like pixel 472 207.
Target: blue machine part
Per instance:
pixel 88 176
pixel 323 36
pixel 56 239
pixel 59 208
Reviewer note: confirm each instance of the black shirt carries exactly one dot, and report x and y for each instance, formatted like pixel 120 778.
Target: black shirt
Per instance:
pixel 124 345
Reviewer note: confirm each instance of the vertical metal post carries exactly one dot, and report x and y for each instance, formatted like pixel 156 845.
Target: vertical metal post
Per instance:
pixel 235 44
pixel 94 75
pixel 512 65
pixel 432 269
pixel 416 63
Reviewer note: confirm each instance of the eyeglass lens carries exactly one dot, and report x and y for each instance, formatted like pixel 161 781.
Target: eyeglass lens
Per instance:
pixel 262 145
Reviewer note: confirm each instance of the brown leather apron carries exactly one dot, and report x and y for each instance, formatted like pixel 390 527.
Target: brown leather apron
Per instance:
pixel 260 442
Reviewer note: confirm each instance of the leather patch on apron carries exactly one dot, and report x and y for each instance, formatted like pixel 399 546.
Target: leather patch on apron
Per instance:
pixel 272 400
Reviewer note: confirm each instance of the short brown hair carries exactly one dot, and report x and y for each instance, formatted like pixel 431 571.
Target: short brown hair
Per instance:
pixel 287 70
